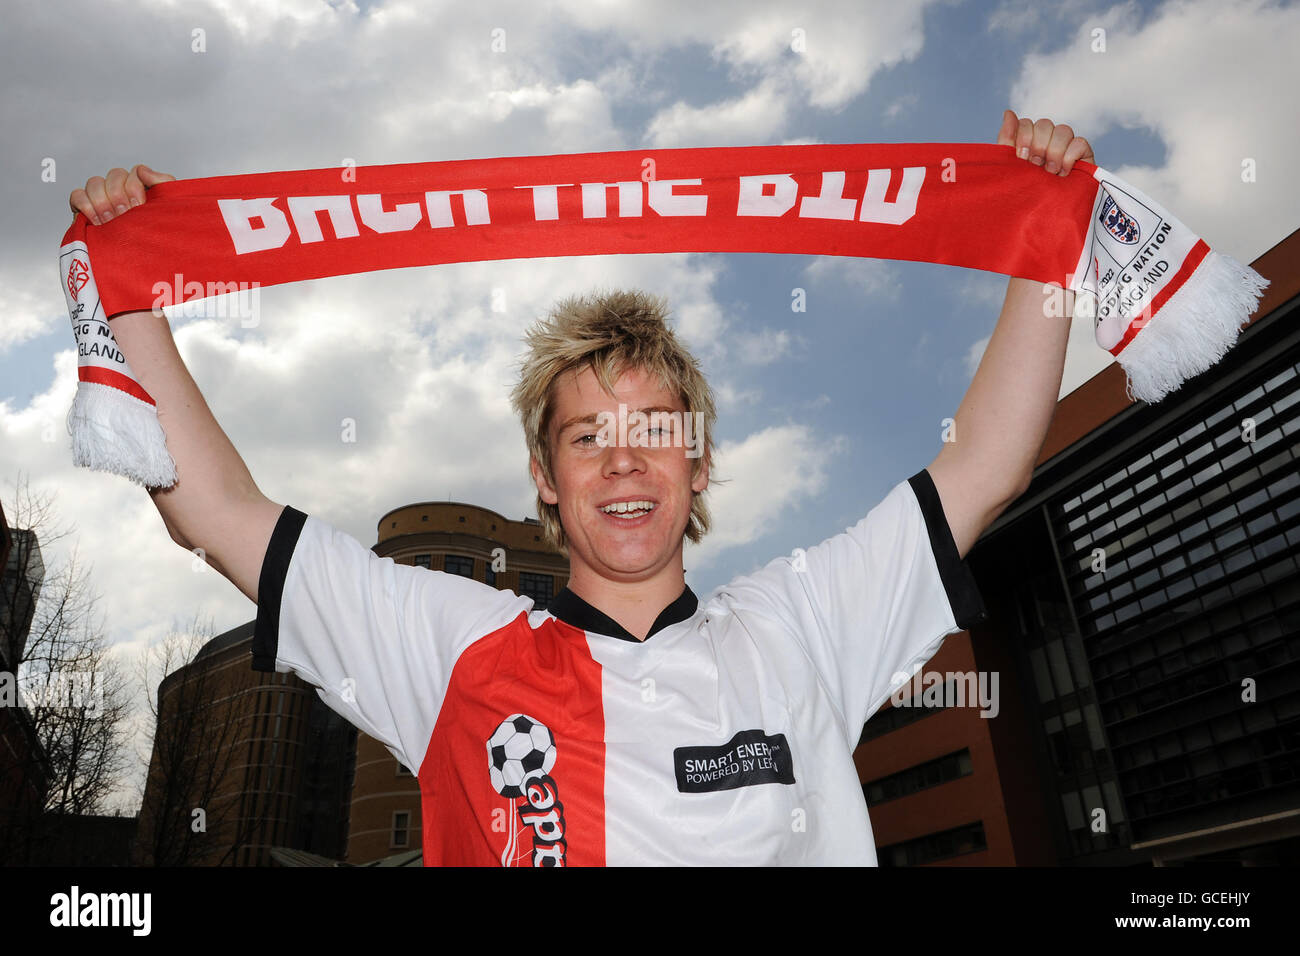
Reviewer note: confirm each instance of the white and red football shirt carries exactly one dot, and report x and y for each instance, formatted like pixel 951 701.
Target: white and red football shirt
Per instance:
pixel 552 736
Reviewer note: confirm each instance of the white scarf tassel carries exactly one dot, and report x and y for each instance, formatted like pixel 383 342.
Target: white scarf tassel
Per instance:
pixel 1202 321
pixel 116 432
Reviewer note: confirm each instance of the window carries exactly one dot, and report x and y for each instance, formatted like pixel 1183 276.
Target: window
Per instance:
pixel 921 777
pixel 890 718
pixel 423 561
pixel 935 846
pixel 539 587
pixel 459 564
pixel 1198 591
pixel 401 829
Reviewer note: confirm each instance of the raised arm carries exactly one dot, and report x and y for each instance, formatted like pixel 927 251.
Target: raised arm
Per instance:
pixel 214 505
pixel 1003 419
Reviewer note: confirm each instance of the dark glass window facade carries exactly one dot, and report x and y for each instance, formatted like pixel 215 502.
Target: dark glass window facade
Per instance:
pixel 1022 588
pixel 1181 565
pixel 1154 598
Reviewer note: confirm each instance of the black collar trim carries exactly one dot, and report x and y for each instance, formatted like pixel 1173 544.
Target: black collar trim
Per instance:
pixel 571 609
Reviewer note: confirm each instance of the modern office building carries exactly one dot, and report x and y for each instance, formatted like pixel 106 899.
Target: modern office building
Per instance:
pixel 1144 620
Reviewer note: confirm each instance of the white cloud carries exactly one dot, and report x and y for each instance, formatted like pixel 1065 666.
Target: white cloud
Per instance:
pixel 1180 74
pixel 27 311
pixel 754 118
pixel 823 56
pixel 769 472
pixel 729 398
pixel 1084 358
pixel 843 44
pixel 901 106
pixel 287 20
pixel 1026 16
pixel 982 292
pixel 575 117
pixel 764 346
pixel 869 278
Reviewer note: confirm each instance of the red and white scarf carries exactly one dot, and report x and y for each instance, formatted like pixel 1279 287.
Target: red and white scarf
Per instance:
pixel 1163 303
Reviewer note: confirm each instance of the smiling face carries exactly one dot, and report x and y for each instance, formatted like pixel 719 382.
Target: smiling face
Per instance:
pixel 589 476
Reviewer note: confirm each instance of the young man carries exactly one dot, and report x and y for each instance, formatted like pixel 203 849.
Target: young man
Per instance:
pixel 627 721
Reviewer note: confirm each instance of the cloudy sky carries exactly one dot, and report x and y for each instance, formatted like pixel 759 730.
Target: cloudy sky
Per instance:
pixel 821 412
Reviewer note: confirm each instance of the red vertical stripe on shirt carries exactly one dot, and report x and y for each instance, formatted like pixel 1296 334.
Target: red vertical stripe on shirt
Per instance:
pixel 548 675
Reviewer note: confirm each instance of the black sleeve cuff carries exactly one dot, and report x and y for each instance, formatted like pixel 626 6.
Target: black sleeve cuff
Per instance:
pixel 270 587
pixel 958 581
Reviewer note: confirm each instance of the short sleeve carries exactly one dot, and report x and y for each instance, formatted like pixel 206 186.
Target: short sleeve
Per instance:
pixel 376 638
pixel 872 604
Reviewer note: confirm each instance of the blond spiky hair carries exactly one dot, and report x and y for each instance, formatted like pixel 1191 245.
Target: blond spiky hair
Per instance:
pixel 611 333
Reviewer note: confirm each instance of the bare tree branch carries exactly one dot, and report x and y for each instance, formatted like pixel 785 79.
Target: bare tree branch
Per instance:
pixel 73 694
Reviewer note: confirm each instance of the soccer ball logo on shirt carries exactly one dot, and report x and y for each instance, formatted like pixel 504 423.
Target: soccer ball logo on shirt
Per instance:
pixel 521 755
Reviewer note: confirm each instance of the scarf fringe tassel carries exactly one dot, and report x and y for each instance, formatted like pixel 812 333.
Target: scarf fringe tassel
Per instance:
pixel 1194 330
pixel 116 432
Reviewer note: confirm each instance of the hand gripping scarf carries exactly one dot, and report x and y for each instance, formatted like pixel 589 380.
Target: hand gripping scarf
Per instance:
pixel 1162 302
